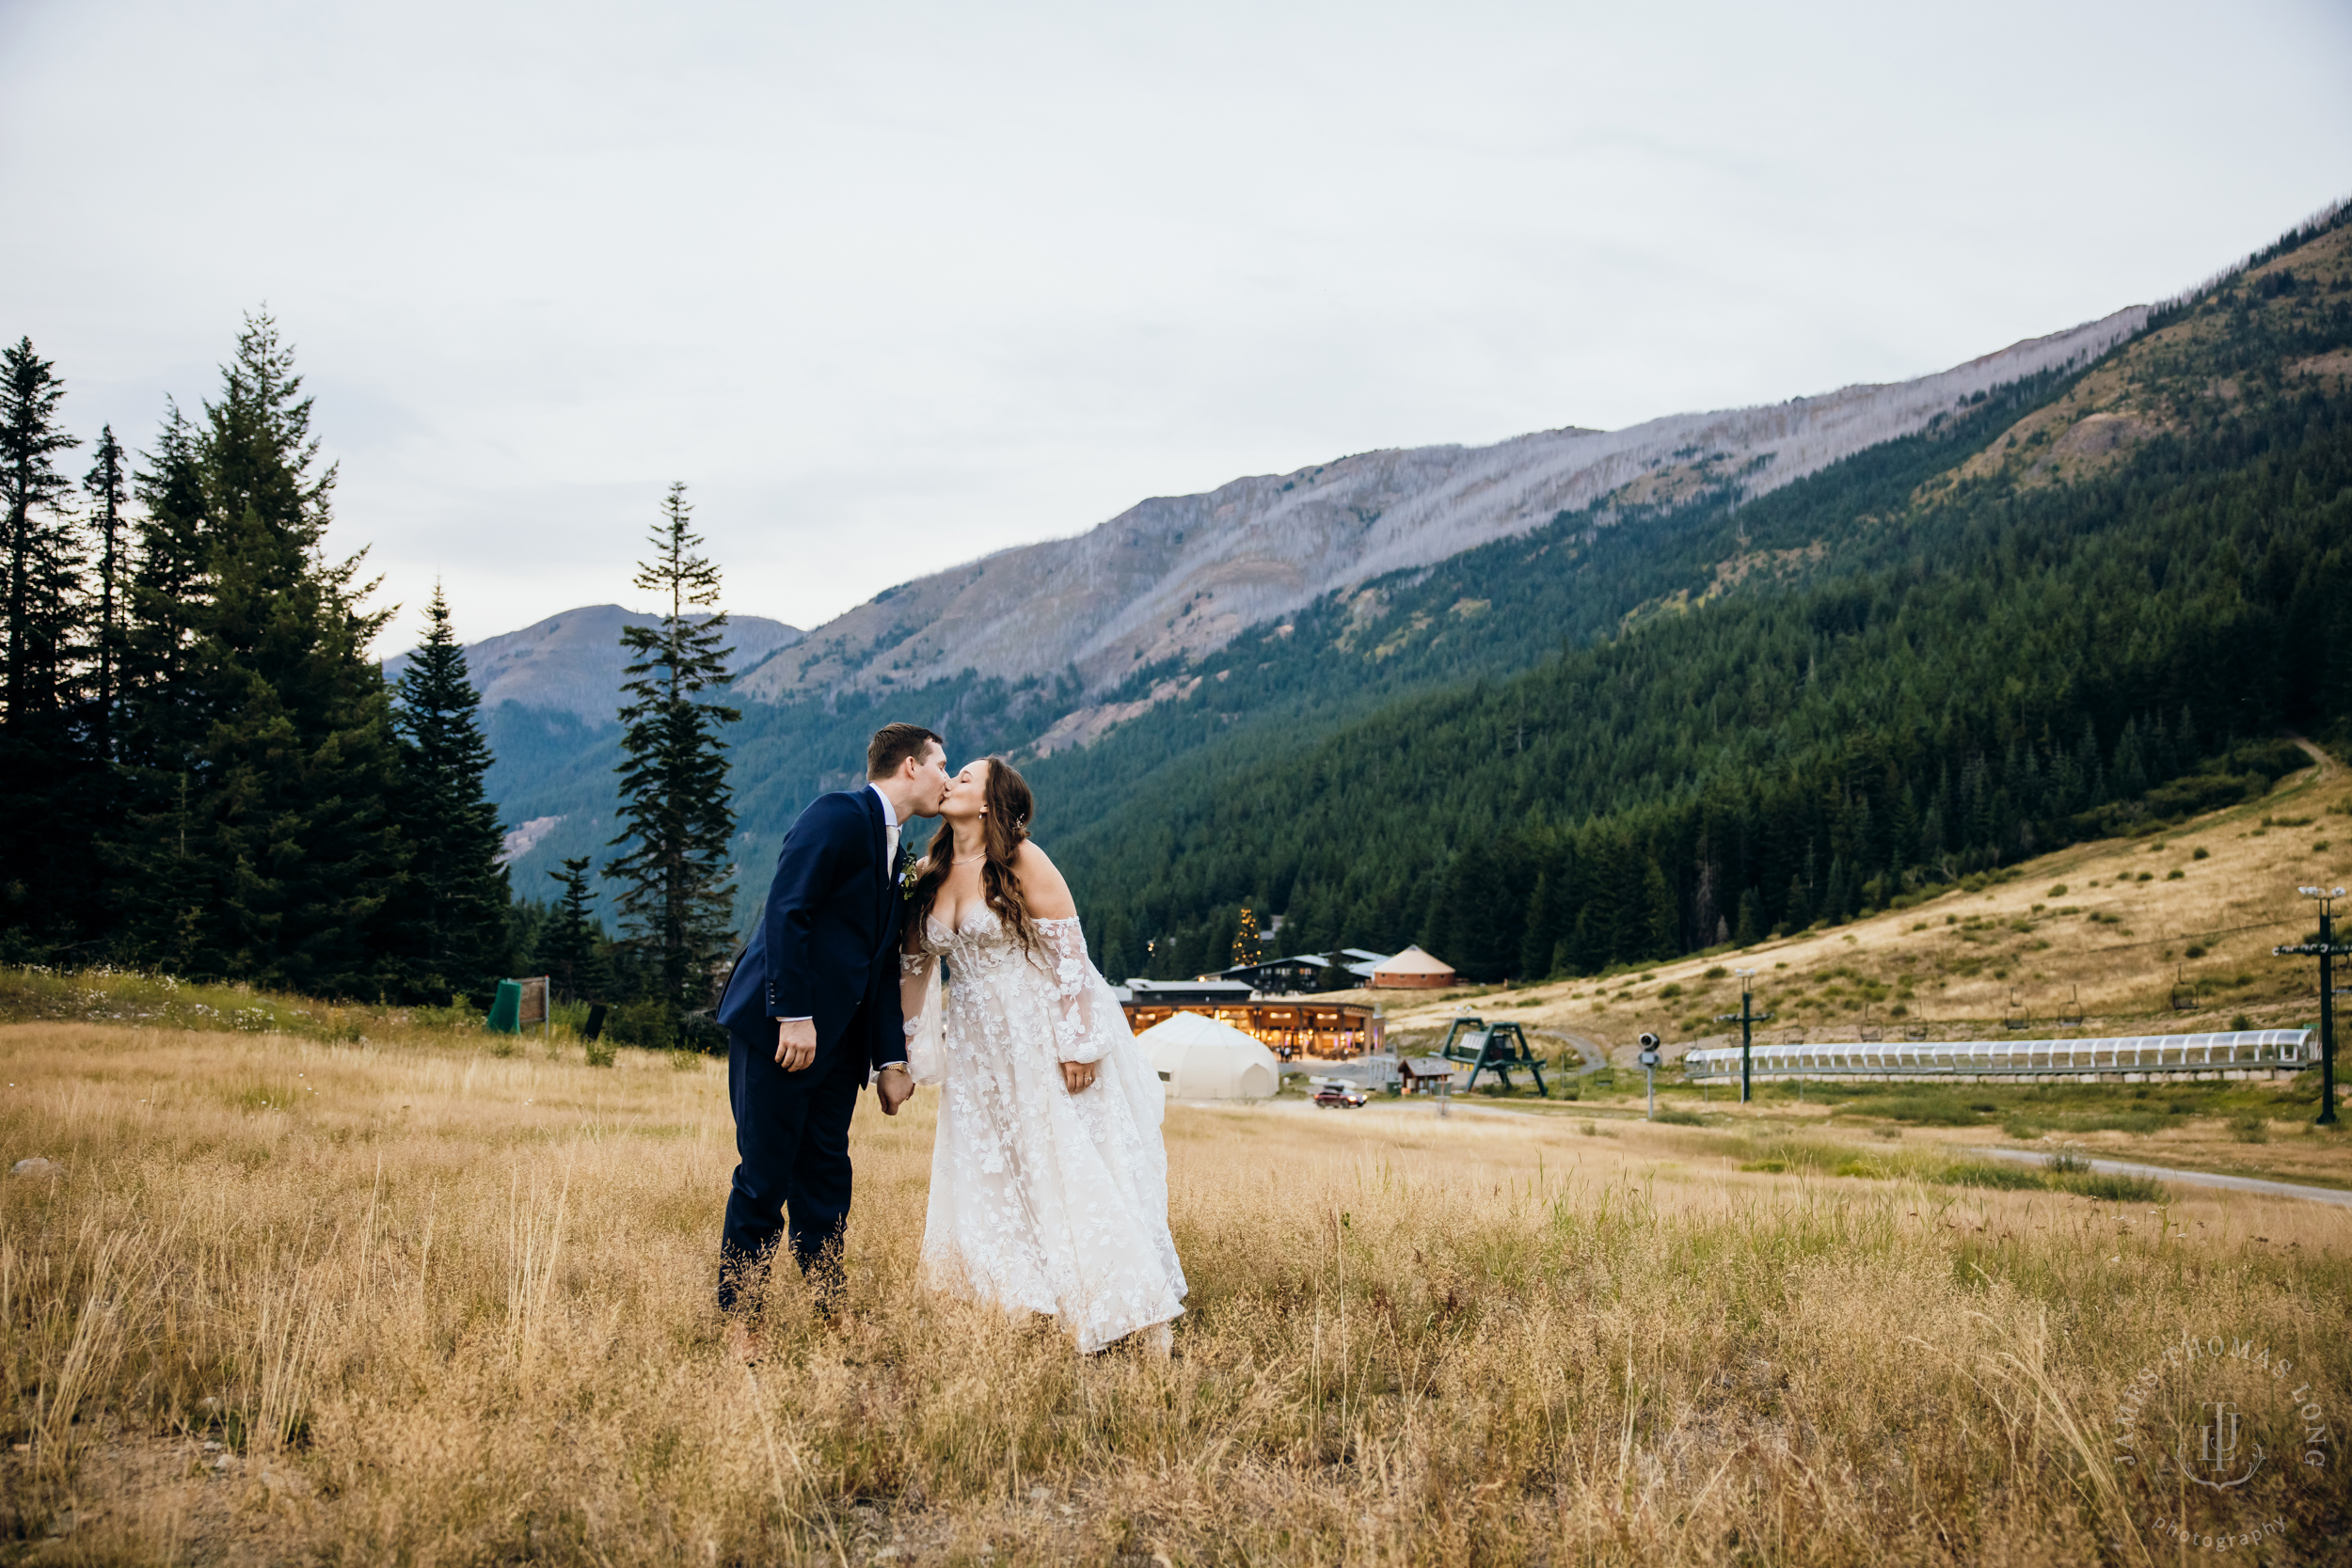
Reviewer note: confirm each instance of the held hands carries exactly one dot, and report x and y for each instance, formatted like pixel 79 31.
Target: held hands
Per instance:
pixel 1077 1077
pixel 893 1087
pixel 796 1043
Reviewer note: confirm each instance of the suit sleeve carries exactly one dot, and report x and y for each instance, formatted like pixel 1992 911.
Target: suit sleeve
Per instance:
pixel 808 872
pixel 887 1040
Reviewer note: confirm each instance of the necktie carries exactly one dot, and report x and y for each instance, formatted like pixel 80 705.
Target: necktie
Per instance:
pixel 890 851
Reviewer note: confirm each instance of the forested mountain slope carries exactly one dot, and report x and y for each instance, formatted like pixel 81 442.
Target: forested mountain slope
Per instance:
pixel 1899 673
pixel 1207 679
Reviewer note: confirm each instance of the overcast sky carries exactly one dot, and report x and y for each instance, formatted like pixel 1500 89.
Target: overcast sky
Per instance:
pixel 892 286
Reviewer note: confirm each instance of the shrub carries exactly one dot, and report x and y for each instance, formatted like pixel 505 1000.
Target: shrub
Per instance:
pixel 2250 1130
pixel 649 1025
pixel 2241 1021
pixel 2020 1128
pixel 1986 1173
pixel 2201 854
pixel 1681 1119
pixel 2116 1189
pixel 1715 972
pixel 1928 1110
pixel 2194 950
pixel 2058 890
pixel 599 1051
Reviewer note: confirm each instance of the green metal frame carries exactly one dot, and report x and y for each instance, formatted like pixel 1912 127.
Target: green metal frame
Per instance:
pixel 1495 1048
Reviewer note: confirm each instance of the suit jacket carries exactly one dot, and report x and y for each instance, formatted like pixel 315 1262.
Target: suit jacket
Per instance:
pixel 825 947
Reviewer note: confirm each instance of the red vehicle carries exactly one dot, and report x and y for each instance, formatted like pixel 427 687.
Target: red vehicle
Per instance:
pixel 1339 1094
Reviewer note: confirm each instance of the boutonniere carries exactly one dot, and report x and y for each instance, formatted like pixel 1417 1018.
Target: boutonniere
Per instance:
pixel 907 874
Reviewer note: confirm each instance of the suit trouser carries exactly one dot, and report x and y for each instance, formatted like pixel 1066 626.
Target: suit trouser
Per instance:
pixel 792 1140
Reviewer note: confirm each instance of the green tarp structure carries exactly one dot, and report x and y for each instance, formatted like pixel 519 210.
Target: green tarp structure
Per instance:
pixel 507 1011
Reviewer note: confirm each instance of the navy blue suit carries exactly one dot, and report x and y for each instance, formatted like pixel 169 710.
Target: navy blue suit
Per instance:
pixel 825 949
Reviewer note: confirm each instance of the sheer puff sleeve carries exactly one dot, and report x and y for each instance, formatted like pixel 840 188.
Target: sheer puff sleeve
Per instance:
pixel 918 1004
pixel 1081 1032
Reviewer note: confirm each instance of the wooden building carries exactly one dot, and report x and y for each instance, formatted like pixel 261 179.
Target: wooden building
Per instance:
pixel 1292 1029
pixel 1412 970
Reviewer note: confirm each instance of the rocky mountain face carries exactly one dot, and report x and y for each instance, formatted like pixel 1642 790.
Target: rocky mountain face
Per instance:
pixel 1181 575
pixel 573 663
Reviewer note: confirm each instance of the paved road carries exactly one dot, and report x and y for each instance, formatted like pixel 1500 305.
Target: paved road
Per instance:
pixel 2189 1177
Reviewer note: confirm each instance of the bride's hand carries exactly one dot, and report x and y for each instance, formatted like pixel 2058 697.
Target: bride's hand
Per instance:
pixel 1077 1076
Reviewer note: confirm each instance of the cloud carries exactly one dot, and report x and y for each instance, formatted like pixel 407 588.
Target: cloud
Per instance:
pixel 895 285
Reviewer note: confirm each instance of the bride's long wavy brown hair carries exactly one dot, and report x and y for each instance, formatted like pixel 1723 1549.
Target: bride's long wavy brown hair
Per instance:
pixel 1004 827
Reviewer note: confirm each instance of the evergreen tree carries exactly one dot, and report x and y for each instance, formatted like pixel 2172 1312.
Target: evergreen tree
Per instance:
pixel 48 800
pixel 43 564
pixel 157 886
pixel 261 845
pixel 676 882
pixel 448 922
pixel 571 951
pixel 108 486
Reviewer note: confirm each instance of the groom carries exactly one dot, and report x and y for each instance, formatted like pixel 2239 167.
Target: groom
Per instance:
pixel 811 1012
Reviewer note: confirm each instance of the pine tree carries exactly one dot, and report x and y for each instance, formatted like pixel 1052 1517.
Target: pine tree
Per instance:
pixel 448 924
pixel 571 947
pixel 108 487
pixel 262 845
pixel 1661 933
pixel 157 886
pixel 48 800
pixel 676 884
pixel 43 565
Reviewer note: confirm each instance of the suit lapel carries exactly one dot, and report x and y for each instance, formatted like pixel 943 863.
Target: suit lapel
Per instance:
pixel 879 833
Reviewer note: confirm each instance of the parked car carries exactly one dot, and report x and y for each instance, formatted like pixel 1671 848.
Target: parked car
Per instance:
pixel 1339 1094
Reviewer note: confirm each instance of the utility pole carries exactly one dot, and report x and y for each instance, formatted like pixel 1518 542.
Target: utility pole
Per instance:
pixel 2326 950
pixel 1649 1073
pixel 1747 1018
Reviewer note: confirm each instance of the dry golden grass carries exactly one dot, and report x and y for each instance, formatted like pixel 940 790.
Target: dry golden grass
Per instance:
pixel 1956 965
pixel 445 1308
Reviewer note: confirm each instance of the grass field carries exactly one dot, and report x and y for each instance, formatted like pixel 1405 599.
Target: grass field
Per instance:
pixel 2108 929
pixel 370 1294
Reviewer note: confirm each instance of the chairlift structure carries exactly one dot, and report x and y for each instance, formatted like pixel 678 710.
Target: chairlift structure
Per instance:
pixel 1495 1048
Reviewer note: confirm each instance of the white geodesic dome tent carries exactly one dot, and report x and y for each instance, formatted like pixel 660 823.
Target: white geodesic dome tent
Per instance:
pixel 1198 1057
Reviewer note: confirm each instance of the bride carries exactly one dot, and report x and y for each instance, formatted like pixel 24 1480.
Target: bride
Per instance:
pixel 1049 1180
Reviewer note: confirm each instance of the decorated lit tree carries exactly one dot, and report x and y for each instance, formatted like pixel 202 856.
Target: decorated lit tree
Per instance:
pixel 1248 949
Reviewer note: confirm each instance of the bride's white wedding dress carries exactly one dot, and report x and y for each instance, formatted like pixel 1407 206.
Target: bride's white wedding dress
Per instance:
pixel 1042 1200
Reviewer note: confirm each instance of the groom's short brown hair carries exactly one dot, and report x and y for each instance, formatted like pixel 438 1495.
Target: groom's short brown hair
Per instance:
pixel 893 744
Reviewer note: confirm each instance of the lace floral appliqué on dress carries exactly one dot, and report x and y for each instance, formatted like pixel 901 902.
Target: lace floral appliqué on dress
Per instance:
pixel 1042 1200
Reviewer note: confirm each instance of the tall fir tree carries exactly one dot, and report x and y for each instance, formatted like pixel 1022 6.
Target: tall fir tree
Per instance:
pixel 446 926
pixel 107 483
pixel 157 885
pixel 676 883
pixel 571 945
pixel 262 845
pixel 47 771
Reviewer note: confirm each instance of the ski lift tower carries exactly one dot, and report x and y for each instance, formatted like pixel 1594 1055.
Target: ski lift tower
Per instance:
pixel 2326 950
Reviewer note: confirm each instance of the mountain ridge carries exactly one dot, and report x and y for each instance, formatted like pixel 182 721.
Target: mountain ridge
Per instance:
pixel 572 662
pixel 1178 576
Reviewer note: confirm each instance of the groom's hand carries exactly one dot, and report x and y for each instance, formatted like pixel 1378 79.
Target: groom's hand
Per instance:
pixel 796 1043
pixel 894 1086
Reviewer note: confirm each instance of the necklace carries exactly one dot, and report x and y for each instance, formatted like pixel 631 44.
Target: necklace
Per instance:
pixel 967 860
